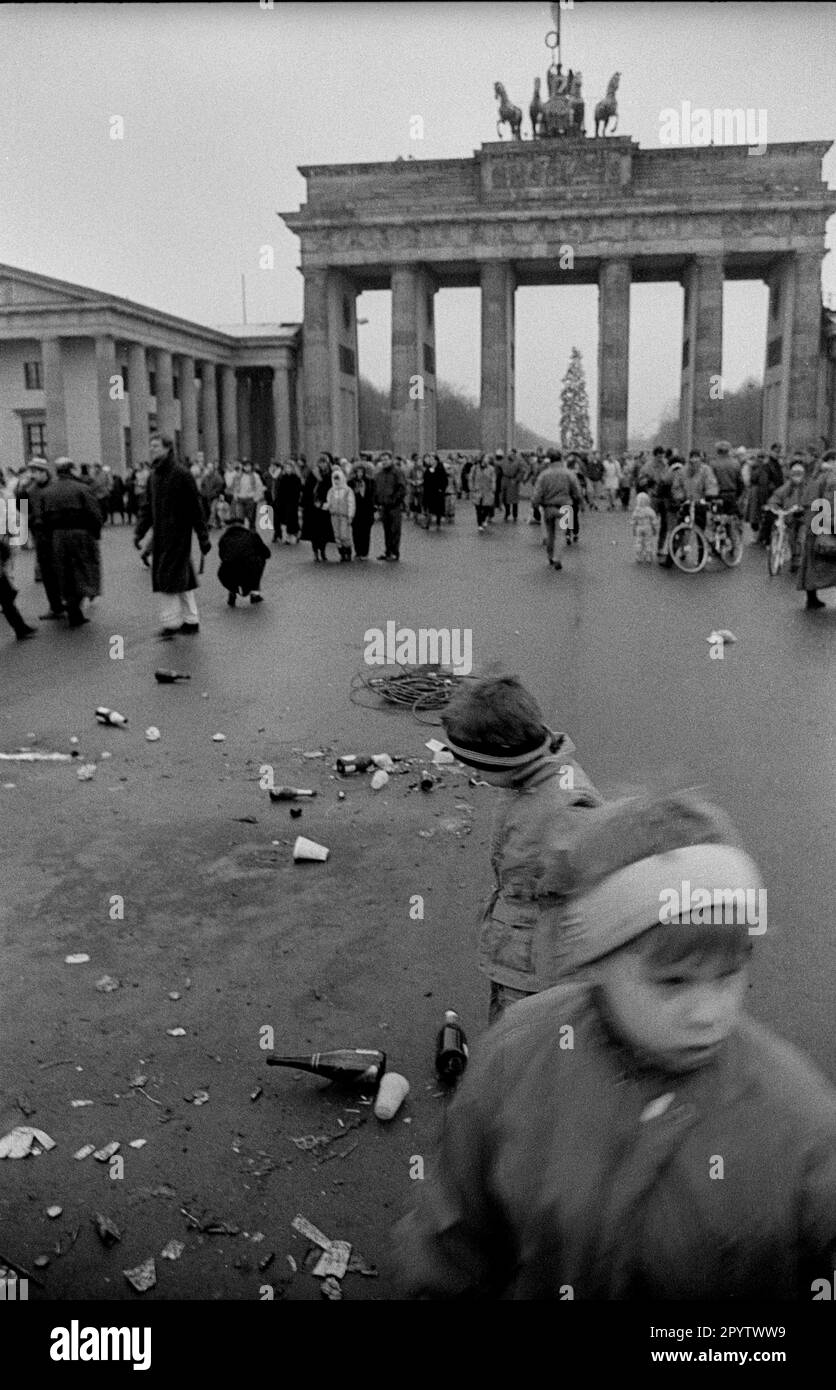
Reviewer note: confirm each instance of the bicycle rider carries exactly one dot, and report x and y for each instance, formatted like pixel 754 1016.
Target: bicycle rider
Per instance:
pixel 729 475
pixel 696 483
pixel 788 496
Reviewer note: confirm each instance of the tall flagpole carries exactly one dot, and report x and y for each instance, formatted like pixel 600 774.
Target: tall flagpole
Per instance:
pixel 556 18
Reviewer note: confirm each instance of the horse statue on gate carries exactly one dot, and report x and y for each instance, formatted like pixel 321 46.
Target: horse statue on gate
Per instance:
pixel 508 113
pixel 607 109
pixel 535 110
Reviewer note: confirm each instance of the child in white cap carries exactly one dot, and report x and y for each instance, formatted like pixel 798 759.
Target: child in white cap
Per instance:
pixel 631 1133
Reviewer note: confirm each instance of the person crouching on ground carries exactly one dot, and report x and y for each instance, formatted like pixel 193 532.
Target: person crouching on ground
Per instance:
pixel 243 555
pixel 645 526
pixel 496 727
pixel 582 1155
pixel 341 506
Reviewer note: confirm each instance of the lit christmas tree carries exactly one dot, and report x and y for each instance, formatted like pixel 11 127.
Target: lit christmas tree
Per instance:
pixel 575 433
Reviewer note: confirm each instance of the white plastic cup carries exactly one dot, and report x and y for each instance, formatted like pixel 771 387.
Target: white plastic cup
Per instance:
pixel 379 780
pixel 305 850
pixel 391 1094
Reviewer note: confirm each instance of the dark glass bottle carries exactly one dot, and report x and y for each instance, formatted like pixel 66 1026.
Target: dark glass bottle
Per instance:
pixel 451 1050
pixel 350 1066
pixel 169 677
pixel 349 763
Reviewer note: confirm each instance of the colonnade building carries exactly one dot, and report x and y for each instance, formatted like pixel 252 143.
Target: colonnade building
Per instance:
pixel 89 375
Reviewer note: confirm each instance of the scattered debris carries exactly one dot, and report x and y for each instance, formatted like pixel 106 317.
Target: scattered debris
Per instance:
pixel 198 1098
pixel 379 780
pixel 176 1032
pixel 443 758
pixel 143 1277
pixel 259 1091
pixel 52 1212
pixel 105 754
pixel 292 1263
pixel 247 820
pixel 477 782
pixel 210 1225
pixel 152 734
pixel 86 772
pixel 722 636
pixel 139 1080
pixel 80 1104
pixel 309 850
pixel 24 1140
pixel 76 960
pixel 31 756
pixel 107 984
pixel 290 793
pixel 111 716
pixel 333 1262
pixel 219 738
pixel 169 677
pixel 329 1288
pixel 357 1265
pixel 391 1094
pixel 295 813
pixel 137 1143
pixel 426 782
pixel 173 1250
pixel 102 1155
pixel 25 1106
pixel 85 1152
pixel 108 1233
pixel 267 1261
pixel 173 994
pixel 41 1261
pixel 305 1228
pixel 383 761
pixel 340 797
pixel 315 754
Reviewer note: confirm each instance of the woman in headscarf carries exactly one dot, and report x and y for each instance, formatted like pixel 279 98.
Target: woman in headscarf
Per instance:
pixel 340 506
pixel 316 522
pixel 361 527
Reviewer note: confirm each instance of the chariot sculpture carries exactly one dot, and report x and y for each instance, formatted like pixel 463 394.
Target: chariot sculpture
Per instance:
pixel 562 113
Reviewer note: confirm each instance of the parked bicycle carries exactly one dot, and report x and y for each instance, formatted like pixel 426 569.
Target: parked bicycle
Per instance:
pixel 691 542
pixel 781 541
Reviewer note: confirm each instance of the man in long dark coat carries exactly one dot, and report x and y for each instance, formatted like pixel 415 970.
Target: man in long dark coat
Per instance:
pixel 172 507
pixel 69 515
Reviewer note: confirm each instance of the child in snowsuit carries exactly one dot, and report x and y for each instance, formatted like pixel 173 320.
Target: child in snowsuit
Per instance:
pixel 341 504
pixel 582 1155
pixel 644 523
pixel 496 727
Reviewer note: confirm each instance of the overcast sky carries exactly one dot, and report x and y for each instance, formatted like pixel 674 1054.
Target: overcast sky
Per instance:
pixel 222 102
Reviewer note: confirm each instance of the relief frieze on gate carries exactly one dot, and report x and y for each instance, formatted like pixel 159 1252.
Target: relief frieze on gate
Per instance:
pixel 581 169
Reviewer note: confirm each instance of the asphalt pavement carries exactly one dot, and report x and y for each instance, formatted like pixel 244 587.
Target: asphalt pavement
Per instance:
pixel 172 870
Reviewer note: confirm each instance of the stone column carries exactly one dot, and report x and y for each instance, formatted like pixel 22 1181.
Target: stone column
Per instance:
pixel 138 402
pixel 414 414
pixel 497 399
pixel 702 353
pixel 166 419
pixel 613 354
pixel 803 351
pixel 243 395
pixel 188 408
pixel 331 366
pixel 56 410
pixel 229 415
pixel 282 408
pixel 110 421
pixel 317 384
pixel 209 411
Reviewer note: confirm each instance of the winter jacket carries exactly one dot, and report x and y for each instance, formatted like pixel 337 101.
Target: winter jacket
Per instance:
pixel 389 487
pixel 512 470
pixel 789 494
pixel 533 817
pixel 817 571
pixel 559 1177
pixel 555 487
pixel 482 484
pixel 67 505
pixel 728 475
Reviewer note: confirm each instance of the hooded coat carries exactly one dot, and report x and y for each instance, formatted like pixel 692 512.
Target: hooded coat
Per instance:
pixel 172 507
pixel 557 1171
pixel 482 484
pixel 340 504
pixel 534 816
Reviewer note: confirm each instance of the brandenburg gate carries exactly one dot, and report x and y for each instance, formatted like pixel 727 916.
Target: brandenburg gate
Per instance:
pixel 562 210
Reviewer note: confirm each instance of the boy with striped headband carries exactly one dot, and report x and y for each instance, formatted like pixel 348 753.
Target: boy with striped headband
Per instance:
pixel 496 727
pixel 631 1133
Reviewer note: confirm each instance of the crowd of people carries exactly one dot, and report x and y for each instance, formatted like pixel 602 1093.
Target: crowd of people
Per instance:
pixel 335 502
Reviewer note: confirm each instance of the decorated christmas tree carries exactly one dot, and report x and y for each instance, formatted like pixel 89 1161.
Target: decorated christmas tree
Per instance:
pixel 574 407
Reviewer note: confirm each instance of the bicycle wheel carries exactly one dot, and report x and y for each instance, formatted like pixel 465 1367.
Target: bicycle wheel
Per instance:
pixel 729 545
pixel 687 548
pixel 777 551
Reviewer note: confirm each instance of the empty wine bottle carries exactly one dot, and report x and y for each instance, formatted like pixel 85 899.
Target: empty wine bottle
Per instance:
pixel 359 1067
pixel 451 1050
pixel 350 763
pixel 169 677
pixel 290 793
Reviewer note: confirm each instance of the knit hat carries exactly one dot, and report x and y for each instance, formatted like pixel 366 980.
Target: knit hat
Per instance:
pixel 611 878
pixel 722 446
pixel 642 499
